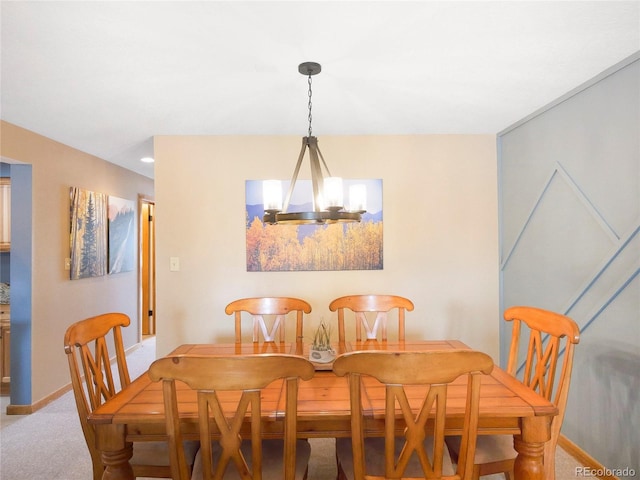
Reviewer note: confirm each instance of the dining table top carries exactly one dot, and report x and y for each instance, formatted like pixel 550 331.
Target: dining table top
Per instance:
pixel 506 405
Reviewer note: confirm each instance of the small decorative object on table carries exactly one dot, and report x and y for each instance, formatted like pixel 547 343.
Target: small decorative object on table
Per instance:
pixel 321 350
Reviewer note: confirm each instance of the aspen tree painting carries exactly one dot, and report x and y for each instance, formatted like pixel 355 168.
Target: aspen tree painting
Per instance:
pixel 88 233
pixel 348 246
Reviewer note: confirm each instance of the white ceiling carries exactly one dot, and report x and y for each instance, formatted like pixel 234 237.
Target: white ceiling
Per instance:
pixel 105 77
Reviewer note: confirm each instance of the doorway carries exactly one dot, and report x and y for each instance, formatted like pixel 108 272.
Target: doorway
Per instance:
pixel 20 273
pixel 147 267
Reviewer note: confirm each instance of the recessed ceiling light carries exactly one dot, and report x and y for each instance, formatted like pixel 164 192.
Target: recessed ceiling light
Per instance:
pixel 147 160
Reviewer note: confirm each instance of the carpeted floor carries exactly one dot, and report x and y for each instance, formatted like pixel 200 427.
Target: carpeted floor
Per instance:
pixel 49 444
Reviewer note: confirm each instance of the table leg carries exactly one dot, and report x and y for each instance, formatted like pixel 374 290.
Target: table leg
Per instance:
pixel 115 452
pixel 117 466
pixel 529 464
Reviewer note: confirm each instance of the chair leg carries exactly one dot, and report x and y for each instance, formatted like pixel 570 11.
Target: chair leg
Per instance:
pixel 476 472
pixel 340 474
pixel 550 460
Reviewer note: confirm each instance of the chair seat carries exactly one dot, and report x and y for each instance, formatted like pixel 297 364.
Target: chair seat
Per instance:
pixel 272 458
pixel 489 448
pixel 374 458
pixel 157 453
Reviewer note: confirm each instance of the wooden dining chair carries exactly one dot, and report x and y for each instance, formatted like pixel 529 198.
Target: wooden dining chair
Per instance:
pixel 546 369
pixel 374 305
pixel 413 382
pixel 268 310
pixel 213 378
pixel 86 344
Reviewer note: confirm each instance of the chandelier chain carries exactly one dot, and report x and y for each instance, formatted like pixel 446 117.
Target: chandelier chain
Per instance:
pixel 310 117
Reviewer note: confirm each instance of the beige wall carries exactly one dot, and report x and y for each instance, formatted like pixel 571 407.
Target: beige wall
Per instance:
pixel 57 301
pixel 440 236
pixel 440 232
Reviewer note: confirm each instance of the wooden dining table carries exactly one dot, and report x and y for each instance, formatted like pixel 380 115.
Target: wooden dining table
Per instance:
pixel 506 407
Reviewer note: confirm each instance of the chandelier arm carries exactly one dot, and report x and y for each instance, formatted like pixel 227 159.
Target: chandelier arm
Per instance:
pixel 287 199
pixel 317 179
pixel 323 162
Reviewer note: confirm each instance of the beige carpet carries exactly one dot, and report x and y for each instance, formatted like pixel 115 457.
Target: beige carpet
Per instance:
pixel 49 444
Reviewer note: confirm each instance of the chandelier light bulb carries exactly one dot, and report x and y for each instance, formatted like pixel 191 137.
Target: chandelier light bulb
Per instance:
pixel 333 195
pixel 272 195
pixel 358 198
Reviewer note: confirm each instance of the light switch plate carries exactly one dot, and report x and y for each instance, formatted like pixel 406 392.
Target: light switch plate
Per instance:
pixel 174 264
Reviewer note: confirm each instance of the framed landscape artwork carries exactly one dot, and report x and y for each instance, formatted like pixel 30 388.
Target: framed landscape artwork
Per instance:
pixel 122 222
pixel 346 246
pixel 102 234
pixel 88 233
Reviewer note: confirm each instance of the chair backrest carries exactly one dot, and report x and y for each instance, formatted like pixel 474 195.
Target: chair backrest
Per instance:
pixel 86 344
pixel 210 376
pixel 264 310
pixel 399 372
pixel 548 362
pixel 376 305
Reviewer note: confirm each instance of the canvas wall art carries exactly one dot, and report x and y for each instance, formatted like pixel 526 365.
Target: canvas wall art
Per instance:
pixel 122 222
pixel 88 233
pixel 277 248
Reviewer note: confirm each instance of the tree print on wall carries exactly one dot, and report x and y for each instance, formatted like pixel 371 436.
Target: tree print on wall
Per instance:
pixel 350 246
pixel 88 233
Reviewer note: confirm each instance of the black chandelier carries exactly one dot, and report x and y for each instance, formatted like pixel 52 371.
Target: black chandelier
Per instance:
pixel 328 203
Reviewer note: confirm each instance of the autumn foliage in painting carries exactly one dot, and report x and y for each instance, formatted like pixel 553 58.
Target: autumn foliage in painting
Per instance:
pixel 352 246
